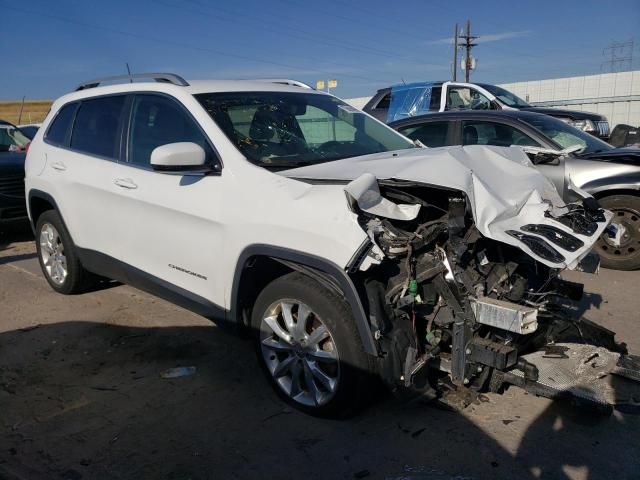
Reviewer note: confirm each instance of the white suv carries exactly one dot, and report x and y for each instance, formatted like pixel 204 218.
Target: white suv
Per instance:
pixel 350 253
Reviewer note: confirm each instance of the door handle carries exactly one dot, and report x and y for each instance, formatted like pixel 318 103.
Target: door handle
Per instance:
pixel 61 167
pixel 125 183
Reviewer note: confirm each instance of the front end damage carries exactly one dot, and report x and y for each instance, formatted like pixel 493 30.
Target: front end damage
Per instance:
pixel 454 308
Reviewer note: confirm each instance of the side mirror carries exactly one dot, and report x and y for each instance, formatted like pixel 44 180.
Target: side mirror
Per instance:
pixel 178 157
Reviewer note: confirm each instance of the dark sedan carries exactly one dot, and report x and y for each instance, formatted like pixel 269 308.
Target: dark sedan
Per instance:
pixel 12 202
pixel 611 175
pixel 12 154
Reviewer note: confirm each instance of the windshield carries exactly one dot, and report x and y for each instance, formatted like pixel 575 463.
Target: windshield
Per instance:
pixel 565 135
pixel 505 96
pixel 282 130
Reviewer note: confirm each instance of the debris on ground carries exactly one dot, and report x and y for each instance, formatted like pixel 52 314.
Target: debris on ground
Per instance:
pixel 178 372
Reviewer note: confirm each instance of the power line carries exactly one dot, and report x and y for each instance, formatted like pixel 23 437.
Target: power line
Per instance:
pixel 163 40
pixel 304 34
pixel 620 55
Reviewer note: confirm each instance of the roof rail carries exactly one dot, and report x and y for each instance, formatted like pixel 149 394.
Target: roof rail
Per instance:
pixel 285 81
pixel 158 77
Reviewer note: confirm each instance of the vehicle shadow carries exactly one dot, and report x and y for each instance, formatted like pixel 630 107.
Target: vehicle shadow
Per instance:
pixel 583 443
pixel 17 258
pixel 86 400
pixel 18 231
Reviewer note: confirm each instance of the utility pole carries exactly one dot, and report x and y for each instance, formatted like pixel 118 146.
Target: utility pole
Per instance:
pixel 454 67
pixel 468 45
pixel 20 114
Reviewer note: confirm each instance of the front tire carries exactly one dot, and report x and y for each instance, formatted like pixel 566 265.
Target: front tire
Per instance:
pixel 308 345
pixel 58 255
pixel 623 251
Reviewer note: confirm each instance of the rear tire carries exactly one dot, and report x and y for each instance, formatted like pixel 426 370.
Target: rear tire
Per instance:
pixel 622 253
pixel 318 366
pixel 58 256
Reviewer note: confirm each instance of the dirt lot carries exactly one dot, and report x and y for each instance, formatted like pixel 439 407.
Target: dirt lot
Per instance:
pixel 81 397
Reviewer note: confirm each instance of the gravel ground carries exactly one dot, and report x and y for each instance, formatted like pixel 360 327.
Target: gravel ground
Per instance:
pixel 81 397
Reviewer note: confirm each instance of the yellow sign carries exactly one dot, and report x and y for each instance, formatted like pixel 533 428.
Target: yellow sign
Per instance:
pixel 320 85
pixel 332 83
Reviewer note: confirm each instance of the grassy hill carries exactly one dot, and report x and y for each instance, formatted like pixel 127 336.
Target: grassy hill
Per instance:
pixel 33 111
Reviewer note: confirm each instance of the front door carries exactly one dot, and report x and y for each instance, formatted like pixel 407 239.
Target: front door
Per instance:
pixel 170 229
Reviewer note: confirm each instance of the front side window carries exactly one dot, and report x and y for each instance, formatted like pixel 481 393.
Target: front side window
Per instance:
pixel 465 98
pixel 59 129
pixel 95 130
pixel 432 134
pixel 282 130
pixel 157 121
pixel 493 133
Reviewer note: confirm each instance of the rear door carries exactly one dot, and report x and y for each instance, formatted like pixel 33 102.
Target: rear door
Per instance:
pixel 81 164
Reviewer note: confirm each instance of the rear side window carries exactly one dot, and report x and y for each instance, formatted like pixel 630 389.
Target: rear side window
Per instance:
pixel 432 134
pixel 95 130
pixel 158 121
pixel 59 129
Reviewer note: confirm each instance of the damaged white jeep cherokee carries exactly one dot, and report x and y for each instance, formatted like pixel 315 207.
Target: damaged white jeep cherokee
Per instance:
pixel 351 254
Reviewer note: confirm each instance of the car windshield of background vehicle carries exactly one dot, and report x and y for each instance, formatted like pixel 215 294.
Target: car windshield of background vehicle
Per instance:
pixel 505 96
pixel 283 130
pixel 567 136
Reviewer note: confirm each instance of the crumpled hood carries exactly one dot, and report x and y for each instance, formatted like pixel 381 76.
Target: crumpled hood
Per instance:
pixel 504 188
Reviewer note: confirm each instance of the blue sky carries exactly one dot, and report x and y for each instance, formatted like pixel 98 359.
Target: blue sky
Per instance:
pixel 50 46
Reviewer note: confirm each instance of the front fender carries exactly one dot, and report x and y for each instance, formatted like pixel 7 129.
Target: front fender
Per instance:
pixel 338 275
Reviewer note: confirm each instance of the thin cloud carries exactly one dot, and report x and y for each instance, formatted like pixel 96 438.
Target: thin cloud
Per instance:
pixel 493 37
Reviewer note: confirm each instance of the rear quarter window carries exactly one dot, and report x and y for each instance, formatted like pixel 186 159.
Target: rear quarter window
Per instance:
pixel 58 132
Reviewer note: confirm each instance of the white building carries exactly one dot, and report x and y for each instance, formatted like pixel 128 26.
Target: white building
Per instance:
pixel 614 95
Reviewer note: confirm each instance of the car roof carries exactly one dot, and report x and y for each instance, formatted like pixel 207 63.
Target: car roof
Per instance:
pixel 194 87
pixel 436 83
pixel 461 114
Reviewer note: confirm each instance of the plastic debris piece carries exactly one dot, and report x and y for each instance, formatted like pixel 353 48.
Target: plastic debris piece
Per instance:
pixel 178 372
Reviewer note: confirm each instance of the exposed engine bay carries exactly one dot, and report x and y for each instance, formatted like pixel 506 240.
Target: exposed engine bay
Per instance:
pixel 453 309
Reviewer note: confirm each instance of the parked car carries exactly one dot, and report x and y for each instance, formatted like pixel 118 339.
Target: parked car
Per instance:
pixel 29 129
pixel 12 199
pixel 349 253
pixel 625 136
pixel 12 157
pixel 447 96
pixel 12 139
pixel 610 174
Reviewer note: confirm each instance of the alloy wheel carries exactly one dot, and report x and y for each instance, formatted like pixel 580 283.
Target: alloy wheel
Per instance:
pixel 52 254
pixel 300 353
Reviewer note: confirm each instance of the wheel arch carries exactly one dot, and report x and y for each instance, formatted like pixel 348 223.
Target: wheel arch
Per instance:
pixel 621 190
pixel 259 264
pixel 38 203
